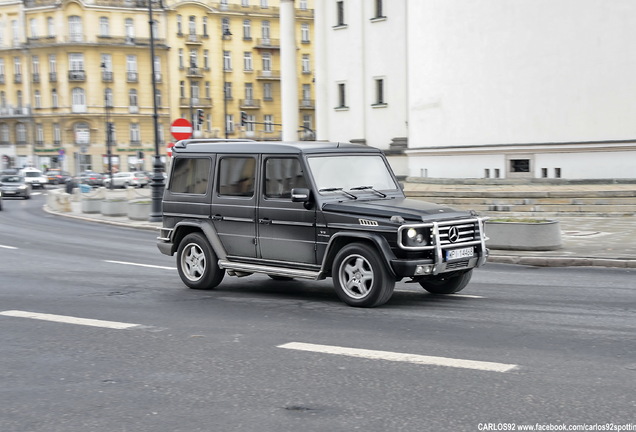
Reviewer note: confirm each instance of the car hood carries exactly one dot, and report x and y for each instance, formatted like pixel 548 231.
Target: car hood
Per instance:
pixel 408 209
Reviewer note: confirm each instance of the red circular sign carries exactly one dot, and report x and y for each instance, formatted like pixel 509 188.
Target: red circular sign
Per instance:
pixel 169 149
pixel 181 129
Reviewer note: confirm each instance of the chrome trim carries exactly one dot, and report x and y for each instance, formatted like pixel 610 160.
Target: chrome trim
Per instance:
pixel 277 271
pixel 440 244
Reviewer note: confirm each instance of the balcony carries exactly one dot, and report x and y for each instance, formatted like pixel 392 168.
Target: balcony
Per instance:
pixel 195 102
pixel 2 79
pixel 267 43
pixel 250 103
pixel 17 78
pixel 107 76
pixel 194 72
pixel 132 77
pixel 193 39
pixel 77 75
pixel 35 77
pixel 52 77
pixel 268 75
pixel 307 104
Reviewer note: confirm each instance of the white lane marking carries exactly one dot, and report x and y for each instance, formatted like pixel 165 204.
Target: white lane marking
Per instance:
pixel 140 265
pixel 69 320
pixel 400 357
pixel 7 247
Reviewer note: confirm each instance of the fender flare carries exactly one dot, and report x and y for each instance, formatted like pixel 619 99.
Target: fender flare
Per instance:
pixel 206 227
pixel 342 238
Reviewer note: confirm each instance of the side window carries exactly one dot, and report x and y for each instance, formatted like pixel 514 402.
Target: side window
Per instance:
pixel 281 176
pixel 236 176
pixel 190 175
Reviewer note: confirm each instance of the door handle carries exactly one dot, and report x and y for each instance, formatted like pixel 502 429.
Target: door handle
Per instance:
pixel 265 221
pixel 217 217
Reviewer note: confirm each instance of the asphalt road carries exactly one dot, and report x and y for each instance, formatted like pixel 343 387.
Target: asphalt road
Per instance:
pixel 521 345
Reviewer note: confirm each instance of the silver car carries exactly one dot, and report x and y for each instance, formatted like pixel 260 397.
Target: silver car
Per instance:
pixel 15 186
pixel 125 179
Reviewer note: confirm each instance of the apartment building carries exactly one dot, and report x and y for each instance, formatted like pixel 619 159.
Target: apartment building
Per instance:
pixel 73 71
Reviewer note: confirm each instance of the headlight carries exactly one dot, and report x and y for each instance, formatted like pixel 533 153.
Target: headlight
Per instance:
pixel 415 237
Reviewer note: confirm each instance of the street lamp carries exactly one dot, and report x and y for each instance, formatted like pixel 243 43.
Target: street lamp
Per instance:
pixel 109 130
pixel 157 183
pixel 226 34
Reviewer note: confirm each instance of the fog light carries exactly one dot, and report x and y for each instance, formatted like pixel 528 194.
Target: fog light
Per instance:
pixel 423 269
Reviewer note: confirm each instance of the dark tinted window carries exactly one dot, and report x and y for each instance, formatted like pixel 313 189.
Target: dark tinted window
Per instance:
pixel 190 175
pixel 281 176
pixel 236 176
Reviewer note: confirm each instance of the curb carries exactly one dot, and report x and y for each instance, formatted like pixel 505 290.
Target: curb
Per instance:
pixel 137 225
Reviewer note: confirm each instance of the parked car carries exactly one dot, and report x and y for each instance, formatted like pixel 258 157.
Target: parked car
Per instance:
pixel 125 179
pixel 90 178
pixel 310 211
pixel 34 177
pixel 15 186
pixel 56 176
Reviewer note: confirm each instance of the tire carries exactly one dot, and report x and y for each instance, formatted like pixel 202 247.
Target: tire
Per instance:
pixel 197 263
pixel 360 277
pixel 447 284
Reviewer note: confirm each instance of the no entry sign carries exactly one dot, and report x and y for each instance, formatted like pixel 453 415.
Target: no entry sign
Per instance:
pixel 181 129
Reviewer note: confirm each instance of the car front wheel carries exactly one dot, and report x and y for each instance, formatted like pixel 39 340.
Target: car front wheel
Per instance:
pixel 197 263
pixel 447 284
pixel 360 277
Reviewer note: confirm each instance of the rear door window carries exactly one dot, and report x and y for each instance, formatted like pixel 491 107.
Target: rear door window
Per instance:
pixel 190 176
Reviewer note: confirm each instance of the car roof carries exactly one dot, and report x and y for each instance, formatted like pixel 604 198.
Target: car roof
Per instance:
pixel 252 147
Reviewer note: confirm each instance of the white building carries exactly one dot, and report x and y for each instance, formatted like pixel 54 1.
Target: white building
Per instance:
pixel 483 88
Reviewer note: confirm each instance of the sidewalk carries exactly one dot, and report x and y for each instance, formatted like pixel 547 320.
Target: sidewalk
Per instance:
pixel 587 241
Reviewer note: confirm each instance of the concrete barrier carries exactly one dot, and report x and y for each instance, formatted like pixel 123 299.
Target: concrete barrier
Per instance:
pixel 520 235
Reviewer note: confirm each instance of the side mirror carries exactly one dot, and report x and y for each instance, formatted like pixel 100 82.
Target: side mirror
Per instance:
pixel 300 195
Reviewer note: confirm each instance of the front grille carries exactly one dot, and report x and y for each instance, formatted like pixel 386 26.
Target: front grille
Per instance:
pixel 456 265
pixel 460 233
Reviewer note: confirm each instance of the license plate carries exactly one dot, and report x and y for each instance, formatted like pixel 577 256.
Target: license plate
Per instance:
pixel 457 254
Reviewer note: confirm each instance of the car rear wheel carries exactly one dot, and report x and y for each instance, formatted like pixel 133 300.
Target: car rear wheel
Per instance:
pixel 197 263
pixel 447 284
pixel 360 277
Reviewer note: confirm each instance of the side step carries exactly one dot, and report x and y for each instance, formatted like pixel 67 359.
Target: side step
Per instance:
pixel 276 271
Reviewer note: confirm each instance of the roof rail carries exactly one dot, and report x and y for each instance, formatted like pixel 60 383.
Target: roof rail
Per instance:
pixel 186 142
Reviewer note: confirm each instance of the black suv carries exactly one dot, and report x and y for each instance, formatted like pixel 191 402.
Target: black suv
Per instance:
pixel 311 211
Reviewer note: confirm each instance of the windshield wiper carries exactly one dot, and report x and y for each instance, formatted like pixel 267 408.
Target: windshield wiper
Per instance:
pixel 382 194
pixel 350 195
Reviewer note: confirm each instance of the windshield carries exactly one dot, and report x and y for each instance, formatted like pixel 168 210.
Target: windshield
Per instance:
pixel 352 171
pixel 33 174
pixel 11 179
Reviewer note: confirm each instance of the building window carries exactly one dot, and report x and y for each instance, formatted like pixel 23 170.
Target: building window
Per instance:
pixel 340 14
pixel 267 63
pixel 79 99
pixel 104 29
pixel 229 123
pixel 206 59
pixel 245 3
pixel 180 58
pixel 249 91
pixel 179 25
pixel 75 31
pixel 302 5
pixel 33 25
pixel 135 135
pixel 57 133
pixel 132 98
pixel 247 29
pixel 205 26
pixel 225 27
pixel 182 89
pixel 520 165
pixel 50 27
pixel 304 33
pixel 131 68
pixel 265 32
pixel 269 123
pixel 192 25
pixel 264 4
pixel 38 99
pixel 130 29
pixel 39 134
pixel 21 133
pixel 108 97
pixel 342 95
pixel 54 99
pixel 227 90
pixel 305 64
pixel 379 9
pixel 267 92
pixel 247 61
pixel 379 92
pixel 227 61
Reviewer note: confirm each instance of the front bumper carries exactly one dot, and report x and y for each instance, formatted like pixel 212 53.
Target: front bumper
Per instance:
pixel 425 267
